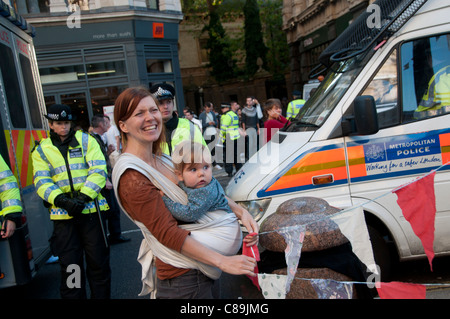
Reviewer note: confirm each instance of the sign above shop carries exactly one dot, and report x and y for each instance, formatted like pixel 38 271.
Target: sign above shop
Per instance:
pixel 158 30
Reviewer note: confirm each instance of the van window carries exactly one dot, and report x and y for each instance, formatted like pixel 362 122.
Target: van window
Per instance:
pixel 425 67
pixel 33 102
pixel 12 87
pixel 383 88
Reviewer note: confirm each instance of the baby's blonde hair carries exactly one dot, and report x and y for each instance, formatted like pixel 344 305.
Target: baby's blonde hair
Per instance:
pixel 188 153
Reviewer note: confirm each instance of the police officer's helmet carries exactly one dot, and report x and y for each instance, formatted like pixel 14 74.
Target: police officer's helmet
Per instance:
pixel 163 91
pixel 59 112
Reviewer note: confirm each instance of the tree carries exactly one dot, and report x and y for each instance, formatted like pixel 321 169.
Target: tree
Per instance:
pixel 264 40
pixel 275 38
pixel 254 42
pixel 221 60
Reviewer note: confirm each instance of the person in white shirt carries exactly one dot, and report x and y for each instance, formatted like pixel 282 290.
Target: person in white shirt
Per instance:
pixel 190 116
pixel 112 137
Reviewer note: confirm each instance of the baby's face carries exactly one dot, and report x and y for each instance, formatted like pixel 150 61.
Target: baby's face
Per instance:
pixel 197 175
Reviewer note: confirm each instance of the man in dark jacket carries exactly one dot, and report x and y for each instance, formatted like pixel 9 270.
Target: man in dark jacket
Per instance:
pixel 209 125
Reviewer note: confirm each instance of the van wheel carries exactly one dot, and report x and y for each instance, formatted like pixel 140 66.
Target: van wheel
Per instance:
pixel 381 253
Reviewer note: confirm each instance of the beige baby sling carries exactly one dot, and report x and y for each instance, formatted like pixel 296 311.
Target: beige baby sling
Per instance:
pixel 217 230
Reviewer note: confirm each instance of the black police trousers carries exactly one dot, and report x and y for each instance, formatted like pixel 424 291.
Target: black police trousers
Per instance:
pixel 75 241
pixel 231 154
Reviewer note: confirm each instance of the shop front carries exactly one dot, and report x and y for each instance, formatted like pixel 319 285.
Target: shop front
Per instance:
pixel 88 67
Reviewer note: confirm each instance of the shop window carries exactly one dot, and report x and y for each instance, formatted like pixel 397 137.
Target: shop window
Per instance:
pixel 159 66
pixel 49 100
pixel 62 74
pixel 71 73
pixel 105 96
pixel 78 103
pixel 106 69
pixel 153 4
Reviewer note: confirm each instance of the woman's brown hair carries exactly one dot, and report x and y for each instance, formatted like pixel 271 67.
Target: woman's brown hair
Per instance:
pixel 124 107
pixel 270 103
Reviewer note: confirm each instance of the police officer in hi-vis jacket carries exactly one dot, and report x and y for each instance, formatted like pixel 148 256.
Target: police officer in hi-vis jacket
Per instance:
pixel 11 209
pixel 177 129
pixel 69 173
pixel 229 131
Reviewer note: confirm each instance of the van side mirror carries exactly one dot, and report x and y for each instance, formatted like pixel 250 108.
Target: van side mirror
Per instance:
pixel 364 120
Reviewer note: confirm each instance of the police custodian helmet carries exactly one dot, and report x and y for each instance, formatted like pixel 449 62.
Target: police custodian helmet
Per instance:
pixel 59 112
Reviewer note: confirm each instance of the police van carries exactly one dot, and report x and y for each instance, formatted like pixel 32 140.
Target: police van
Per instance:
pixel 21 125
pixel 379 120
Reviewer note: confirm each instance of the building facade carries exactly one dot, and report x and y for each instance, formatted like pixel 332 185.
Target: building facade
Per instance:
pixel 311 25
pixel 88 51
pixel 200 86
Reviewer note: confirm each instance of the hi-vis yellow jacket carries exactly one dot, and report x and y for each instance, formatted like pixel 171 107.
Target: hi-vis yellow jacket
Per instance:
pixel 293 108
pixel 186 130
pixel 229 125
pixel 85 170
pixel 9 191
pixel 438 93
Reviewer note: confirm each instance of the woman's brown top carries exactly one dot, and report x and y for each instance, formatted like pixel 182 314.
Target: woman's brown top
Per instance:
pixel 144 203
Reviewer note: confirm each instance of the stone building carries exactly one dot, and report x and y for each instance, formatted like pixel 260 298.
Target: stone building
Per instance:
pixel 311 25
pixel 200 87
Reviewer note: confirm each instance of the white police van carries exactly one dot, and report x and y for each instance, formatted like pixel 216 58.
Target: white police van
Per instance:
pixel 379 120
pixel 22 123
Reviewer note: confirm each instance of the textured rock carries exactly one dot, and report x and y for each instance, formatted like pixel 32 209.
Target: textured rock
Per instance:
pixel 320 232
pixel 302 289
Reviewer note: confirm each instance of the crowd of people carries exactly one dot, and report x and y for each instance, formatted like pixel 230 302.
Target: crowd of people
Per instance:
pixel 239 132
pixel 155 167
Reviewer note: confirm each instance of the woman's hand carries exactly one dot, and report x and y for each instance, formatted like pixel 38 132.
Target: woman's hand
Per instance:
pixel 234 265
pixel 247 221
pixel 238 265
pixel 244 216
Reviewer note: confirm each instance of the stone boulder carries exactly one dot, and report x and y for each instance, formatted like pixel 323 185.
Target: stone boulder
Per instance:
pixel 311 212
pixel 303 289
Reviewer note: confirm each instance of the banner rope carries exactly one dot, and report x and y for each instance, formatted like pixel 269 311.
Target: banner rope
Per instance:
pixel 366 283
pixel 287 228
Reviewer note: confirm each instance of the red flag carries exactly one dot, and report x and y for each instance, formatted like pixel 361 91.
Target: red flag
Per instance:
pixel 418 204
pixel 252 251
pixel 399 290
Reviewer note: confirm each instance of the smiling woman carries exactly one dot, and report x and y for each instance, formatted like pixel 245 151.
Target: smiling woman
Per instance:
pixel 185 268
pixel 136 105
pixel 144 125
